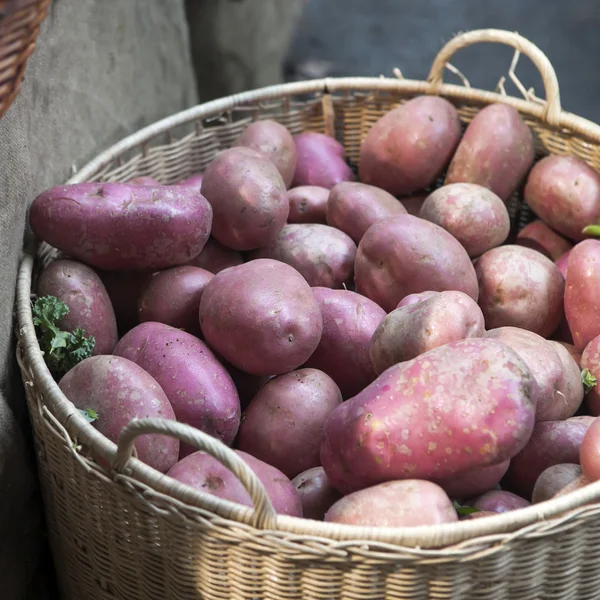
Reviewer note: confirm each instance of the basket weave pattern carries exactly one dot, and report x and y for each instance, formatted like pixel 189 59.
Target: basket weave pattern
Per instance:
pixel 130 533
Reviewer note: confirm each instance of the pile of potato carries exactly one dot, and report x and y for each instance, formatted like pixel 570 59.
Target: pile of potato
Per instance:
pixel 379 352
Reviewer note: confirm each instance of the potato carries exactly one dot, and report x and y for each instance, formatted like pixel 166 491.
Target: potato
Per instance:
pixel 121 227
pixel 194 181
pixel 316 493
pixel 575 485
pixel 407 503
pixel 552 390
pixel 496 151
pixel 409 146
pixel 519 287
pixel 308 204
pixel 80 288
pixel 405 255
pixel 206 474
pixel 551 443
pixel 465 405
pixel 564 192
pixel 353 207
pixel 274 141
pixel 262 317
pixel 197 385
pixel 411 330
pixel 320 160
pixel 413 203
pixel 538 236
pixel 215 257
pixel 499 501
pixel 474 215
pixel 322 254
pixel 582 293
pixel 415 298
pixel 590 360
pixel 575 354
pixel 562 263
pixel 474 482
pixel 553 480
pixel 173 297
pixel 283 424
pixel 248 197
pixel 589 452
pixel 349 321
pixel 119 391
pixel 144 180
pixel 572 388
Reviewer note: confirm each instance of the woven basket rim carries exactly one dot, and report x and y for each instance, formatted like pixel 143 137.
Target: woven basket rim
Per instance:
pixel 431 536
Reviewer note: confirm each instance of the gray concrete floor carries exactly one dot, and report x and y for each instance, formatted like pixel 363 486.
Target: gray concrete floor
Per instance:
pixel 371 37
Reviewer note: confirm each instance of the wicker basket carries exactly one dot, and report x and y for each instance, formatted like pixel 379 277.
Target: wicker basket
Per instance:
pixel 20 22
pixel 130 533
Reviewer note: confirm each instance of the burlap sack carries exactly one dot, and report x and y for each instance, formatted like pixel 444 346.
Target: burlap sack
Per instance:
pixel 102 69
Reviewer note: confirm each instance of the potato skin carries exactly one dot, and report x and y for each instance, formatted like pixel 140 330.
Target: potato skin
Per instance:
pixel 248 197
pixel 411 330
pixel 262 317
pixel 590 359
pixel 215 257
pixel 474 215
pixel 519 287
pixel 499 501
pixel 89 305
pixel 323 255
pixel 198 386
pixel 414 202
pixel 496 151
pixel 353 207
pixel 405 255
pixel 121 227
pixel 432 417
pixel 474 482
pixel 308 204
pixel 563 262
pixel 120 391
pixel 349 321
pixel 551 443
pixel 564 192
pixel 589 452
pixel 320 160
pixel 316 493
pixel 283 424
pixel 173 297
pixel 274 141
pixel 572 387
pixel 538 236
pixel 407 503
pixel 205 473
pixel 553 480
pixel 582 293
pixel 410 145
pixel 416 298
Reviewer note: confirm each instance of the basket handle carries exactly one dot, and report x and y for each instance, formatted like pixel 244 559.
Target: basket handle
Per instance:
pixel 265 516
pixel 509 38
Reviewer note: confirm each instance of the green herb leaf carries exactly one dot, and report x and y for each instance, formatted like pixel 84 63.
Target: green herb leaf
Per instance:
pixel 89 414
pixel 591 230
pixel 463 511
pixel 588 380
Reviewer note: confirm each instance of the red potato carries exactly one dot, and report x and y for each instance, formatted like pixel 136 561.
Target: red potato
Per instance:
pixel 353 207
pixel 206 474
pixel 262 317
pixel 496 151
pixel 575 354
pixel 121 227
pixel 519 287
pixel 474 482
pixel 564 192
pixel 408 147
pixel 349 321
pixel 323 255
pixel 553 480
pixel 119 391
pixel 173 297
pixel 575 485
pixel 415 298
pixel 407 503
pixel 589 452
pixel 582 293
pixel 406 255
pixel 320 160
pixel 316 493
pixel 194 181
pixel 412 204
pixel 144 180
pixel 198 386
pixel 308 204
pixel 283 424
pixel 551 443
pixel 90 309
pixel 499 501
pixel 215 257
pixel 474 215
pixel 590 360
pixel 538 236
pixel 563 262
pixel 248 197
pixel 411 330
pixel 572 387
pixel 465 405
pixel 274 141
